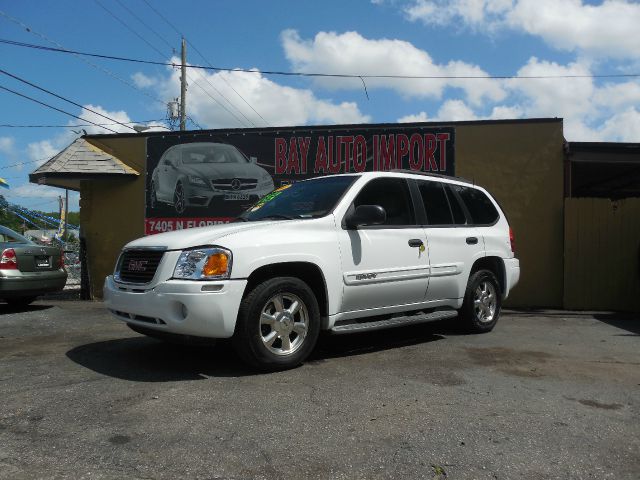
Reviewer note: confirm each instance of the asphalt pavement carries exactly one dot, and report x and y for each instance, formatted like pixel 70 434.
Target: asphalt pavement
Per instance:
pixel 546 395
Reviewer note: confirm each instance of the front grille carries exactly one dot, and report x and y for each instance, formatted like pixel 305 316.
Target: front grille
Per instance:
pixel 234 184
pixel 138 266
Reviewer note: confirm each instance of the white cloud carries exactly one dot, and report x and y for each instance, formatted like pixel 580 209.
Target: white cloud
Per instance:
pixel 455 110
pixel 143 81
pixel 42 151
pixel 351 53
pixel 623 126
pixel 609 29
pixel 418 117
pixel 557 97
pixel 7 145
pixel 213 103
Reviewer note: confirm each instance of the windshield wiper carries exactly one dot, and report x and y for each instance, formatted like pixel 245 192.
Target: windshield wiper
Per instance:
pixel 276 216
pixel 239 219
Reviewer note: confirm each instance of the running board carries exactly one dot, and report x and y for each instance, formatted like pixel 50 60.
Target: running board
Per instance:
pixel 394 322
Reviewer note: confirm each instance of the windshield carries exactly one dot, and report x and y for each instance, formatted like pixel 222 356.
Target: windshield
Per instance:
pixel 212 153
pixel 308 199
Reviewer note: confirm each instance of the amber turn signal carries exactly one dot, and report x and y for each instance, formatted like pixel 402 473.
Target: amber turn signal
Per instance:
pixel 216 264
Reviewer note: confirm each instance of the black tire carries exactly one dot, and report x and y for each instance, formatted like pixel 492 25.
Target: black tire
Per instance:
pixel 20 301
pixel 153 197
pixel 178 199
pixel 254 339
pixel 482 302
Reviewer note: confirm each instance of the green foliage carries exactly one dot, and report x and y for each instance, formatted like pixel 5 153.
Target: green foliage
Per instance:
pixel 12 221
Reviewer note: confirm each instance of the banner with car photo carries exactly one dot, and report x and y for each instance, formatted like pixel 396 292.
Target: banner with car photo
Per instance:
pixel 200 179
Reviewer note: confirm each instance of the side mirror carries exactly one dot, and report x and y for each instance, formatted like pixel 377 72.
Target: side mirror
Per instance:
pixel 365 215
pixel 253 160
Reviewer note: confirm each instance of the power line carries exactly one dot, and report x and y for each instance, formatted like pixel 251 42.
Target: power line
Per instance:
pixel 147 26
pixel 189 79
pixel 202 56
pixel 106 71
pixel 5 125
pixel 326 75
pixel 4 72
pixel 127 27
pixel 53 108
pixel 24 163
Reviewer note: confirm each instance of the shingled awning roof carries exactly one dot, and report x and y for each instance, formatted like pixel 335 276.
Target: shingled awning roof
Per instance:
pixel 80 161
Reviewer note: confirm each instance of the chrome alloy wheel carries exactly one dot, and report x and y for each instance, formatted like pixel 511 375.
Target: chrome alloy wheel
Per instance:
pixel 485 302
pixel 284 322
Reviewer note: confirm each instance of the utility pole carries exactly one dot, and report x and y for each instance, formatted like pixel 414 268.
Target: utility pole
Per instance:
pixel 66 215
pixel 183 87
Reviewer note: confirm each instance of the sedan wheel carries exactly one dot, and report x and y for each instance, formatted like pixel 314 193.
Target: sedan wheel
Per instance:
pixel 153 198
pixel 178 199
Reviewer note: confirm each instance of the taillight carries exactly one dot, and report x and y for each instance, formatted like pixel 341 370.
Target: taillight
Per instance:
pixel 61 263
pixel 512 239
pixel 9 261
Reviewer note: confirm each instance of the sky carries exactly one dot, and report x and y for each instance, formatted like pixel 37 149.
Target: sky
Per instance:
pixel 584 54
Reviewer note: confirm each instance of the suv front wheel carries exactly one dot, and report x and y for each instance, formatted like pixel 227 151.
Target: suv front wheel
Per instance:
pixel 278 324
pixel 482 302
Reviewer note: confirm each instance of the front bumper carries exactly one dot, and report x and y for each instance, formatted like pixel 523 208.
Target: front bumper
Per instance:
pixel 512 274
pixel 178 306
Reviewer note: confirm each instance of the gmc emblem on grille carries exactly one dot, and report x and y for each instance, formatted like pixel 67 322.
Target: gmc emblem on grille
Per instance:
pixel 138 265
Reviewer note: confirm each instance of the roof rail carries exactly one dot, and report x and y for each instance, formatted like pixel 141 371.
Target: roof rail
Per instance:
pixel 430 174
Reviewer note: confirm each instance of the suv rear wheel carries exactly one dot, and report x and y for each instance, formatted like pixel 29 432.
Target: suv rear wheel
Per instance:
pixel 482 302
pixel 278 324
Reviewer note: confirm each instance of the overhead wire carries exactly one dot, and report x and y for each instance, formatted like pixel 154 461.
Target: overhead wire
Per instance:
pixel 4 72
pixel 122 22
pixel 54 108
pixel 325 75
pixel 166 20
pixel 60 47
pixel 79 125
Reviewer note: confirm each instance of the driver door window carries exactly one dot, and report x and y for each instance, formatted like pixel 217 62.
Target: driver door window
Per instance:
pixel 393 195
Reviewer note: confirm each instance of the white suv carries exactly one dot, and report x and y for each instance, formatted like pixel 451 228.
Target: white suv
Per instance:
pixel 344 253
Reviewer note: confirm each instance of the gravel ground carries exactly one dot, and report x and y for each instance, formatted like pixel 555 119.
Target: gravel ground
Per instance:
pixel 546 395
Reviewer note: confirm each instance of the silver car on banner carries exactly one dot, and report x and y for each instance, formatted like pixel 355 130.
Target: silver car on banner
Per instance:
pixel 195 174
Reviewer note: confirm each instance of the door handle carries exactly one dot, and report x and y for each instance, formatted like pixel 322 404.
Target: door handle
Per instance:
pixel 415 242
pixel 472 240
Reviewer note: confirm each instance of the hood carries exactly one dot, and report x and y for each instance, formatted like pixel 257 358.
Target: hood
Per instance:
pixel 195 237
pixel 212 171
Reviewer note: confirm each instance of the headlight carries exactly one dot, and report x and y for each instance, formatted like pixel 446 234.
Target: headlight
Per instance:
pixel 265 181
pixel 207 263
pixel 193 180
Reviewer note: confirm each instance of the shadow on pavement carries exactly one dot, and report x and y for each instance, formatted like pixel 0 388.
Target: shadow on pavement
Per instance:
pixel 6 308
pixel 625 321
pixel 144 359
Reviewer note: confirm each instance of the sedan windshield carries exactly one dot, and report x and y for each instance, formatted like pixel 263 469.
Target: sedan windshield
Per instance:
pixel 307 199
pixel 213 153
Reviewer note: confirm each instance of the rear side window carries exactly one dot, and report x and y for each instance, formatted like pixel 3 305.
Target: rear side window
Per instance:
pixel 435 203
pixel 459 218
pixel 393 195
pixel 480 207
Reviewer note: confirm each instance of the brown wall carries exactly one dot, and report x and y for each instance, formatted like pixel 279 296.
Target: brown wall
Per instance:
pixel 112 211
pixel 602 256
pixel 521 163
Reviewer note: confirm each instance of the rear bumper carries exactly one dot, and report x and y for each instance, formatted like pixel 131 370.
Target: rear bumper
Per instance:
pixel 178 306
pixel 512 274
pixel 32 283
